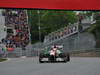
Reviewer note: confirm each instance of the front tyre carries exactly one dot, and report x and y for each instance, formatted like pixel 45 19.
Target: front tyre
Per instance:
pixel 40 61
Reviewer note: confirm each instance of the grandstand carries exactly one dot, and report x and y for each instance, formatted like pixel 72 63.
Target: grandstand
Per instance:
pixel 14 30
pixel 16 27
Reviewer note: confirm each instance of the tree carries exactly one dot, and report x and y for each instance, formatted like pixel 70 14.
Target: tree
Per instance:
pixel 95 29
pixel 50 20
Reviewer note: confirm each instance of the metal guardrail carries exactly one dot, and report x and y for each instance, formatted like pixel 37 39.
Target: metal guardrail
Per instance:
pixel 85 50
pixel 33 53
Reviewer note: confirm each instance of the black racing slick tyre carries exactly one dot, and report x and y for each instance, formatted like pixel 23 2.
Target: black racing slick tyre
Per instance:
pixel 68 57
pixel 40 61
pixel 62 55
pixel 64 61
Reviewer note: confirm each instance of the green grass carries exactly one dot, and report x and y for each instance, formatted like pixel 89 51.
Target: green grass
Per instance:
pixel 2 59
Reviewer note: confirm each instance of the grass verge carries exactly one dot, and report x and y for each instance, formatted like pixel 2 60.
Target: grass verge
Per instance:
pixel 2 59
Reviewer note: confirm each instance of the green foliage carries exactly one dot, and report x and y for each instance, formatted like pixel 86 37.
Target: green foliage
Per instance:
pixel 96 27
pixel 92 29
pixel 2 59
pixel 50 20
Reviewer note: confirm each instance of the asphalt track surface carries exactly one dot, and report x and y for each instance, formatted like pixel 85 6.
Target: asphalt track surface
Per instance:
pixel 31 66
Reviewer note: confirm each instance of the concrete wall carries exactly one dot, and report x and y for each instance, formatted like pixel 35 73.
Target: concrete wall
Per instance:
pixel 78 41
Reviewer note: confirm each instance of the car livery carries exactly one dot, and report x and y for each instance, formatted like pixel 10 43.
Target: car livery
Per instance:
pixel 48 55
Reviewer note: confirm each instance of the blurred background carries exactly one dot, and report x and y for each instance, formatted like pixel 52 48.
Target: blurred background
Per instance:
pixel 25 32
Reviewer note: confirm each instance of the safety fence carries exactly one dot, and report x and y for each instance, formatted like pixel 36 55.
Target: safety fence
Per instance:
pixel 95 52
pixel 86 53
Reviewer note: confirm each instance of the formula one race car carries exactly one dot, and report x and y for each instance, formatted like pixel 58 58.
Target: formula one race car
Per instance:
pixel 51 54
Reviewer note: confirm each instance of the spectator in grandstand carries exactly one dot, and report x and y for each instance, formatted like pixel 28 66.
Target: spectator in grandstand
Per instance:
pixel 65 31
pixel 17 19
pixel 80 18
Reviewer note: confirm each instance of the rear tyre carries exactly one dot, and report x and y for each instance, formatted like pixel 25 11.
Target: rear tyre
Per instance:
pixel 68 57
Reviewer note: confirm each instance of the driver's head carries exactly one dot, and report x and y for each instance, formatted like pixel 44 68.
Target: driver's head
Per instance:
pixel 55 46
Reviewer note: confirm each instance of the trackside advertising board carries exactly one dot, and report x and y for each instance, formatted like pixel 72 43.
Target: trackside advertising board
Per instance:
pixel 52 4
